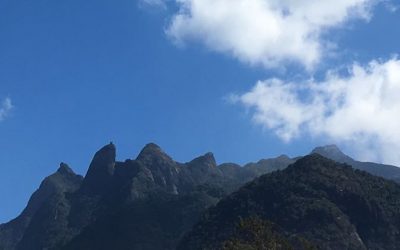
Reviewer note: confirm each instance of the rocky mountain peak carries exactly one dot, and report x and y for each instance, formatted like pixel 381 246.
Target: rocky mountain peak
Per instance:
pixel 151 147
pixel 152 152
pixel 101 170
pixel 103 160
pixel 207 159
pixel 108 150
pixel 64 169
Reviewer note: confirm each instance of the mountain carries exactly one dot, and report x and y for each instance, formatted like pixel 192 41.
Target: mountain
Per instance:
pixel 334 153
pixel 149 202
pixel 53 188
pixel 315 203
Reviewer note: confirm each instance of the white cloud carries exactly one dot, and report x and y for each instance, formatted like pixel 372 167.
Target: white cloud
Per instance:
pixel 5 108
pixel 264 32
pixel 361 109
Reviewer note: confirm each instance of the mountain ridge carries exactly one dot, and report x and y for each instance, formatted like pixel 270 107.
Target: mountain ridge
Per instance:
pixel 333 152
pixel 331 205
pixel 81 208
pixel 111 185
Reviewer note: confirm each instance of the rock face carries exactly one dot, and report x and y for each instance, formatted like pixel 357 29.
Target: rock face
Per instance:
pixel 150 202
pixel 69 211
pixel 52 188
pixel 329 204
pixel 100 171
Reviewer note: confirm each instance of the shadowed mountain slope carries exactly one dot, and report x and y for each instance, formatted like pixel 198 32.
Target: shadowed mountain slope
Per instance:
pixel 52 188
pixel 331 205
pixel 152 201
pixel 152 194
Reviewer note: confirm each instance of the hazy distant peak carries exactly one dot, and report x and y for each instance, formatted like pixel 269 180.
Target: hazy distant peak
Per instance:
pixel 332 148
pixel 332 152
pixel 283 157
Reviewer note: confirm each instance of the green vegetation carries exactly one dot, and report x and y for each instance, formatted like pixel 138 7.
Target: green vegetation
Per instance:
pixel 331 205
pixel 256 234
pixel 155 203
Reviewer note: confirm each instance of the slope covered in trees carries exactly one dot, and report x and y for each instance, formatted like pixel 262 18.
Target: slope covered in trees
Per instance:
pixel 330 205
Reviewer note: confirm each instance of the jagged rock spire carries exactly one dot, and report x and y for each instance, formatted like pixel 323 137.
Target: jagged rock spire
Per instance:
pixel 101 170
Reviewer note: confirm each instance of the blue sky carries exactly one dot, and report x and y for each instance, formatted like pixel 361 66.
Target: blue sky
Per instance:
pixel 82 73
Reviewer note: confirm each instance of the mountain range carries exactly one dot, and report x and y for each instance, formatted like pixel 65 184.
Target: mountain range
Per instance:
pixel 154 202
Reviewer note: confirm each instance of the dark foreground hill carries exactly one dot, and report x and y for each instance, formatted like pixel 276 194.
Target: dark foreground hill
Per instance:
pixel 315 203
pixel 146 203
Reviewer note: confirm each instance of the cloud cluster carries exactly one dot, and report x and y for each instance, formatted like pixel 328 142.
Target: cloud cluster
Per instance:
pixel 264 32
pixel 5 108
pixel 362 108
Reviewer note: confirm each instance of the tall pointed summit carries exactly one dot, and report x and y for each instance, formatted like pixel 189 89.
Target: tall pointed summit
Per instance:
pixel 101 170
